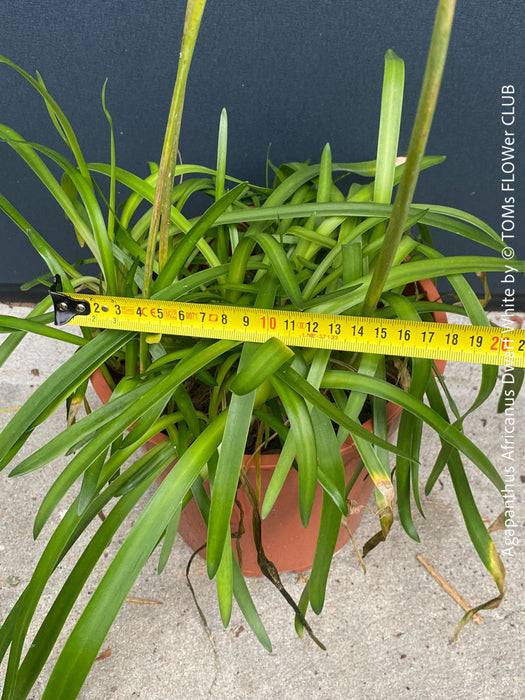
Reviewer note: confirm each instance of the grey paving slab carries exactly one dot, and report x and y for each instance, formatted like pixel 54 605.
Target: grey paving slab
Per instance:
pixel 387 632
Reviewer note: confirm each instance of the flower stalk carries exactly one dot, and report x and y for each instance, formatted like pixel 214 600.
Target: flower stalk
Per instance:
pixel 160 220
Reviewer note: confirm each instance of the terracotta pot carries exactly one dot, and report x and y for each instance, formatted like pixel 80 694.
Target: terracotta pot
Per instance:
pixel 287 543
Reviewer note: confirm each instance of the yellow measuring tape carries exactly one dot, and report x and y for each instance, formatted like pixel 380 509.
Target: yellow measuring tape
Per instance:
pixel 483 345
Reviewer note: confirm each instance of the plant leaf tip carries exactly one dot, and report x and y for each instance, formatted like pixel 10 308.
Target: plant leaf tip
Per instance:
pixel 390 54
pixel 211 568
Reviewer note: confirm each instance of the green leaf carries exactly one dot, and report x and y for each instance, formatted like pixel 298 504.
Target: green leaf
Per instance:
pixel 389 123
pixel 303 607
pixel 279 475
pixel 84 429
pixel 112 180
pixel 409 439
pixel 12 323
pixel 245 602
pixel 367 366
pixel 142 189
pixel 266 359
pixel 224 579
pixel 10 344
pixel 384 390
pixel 56 388
pixel 373 458
pixel 185 247
pixel 57 115
pixel 329 527
pixel 187 408
pixel 222 148
pixel 83 644
pixel 228 470
pixel 302 430
pixel 330 462
pixel 89 483
pixel 95 234
pixel 156 460
pixel 168 540
pixel 474 221
pixel 411 271
pixel 410 426
pixel 56 264
pixel 416 150
pixel 281 266
pixel 154 399
pixel 330 472
pixel 478 534
pixel 301 386
pixel 324 185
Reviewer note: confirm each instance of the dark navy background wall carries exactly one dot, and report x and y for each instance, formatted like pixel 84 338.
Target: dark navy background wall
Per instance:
pixel 296 74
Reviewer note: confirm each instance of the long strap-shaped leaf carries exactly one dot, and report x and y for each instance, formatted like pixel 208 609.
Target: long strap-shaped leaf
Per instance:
pixel 55 262
pixel 446 431
pixel 54 390
pixel 410 426
pixel 331 461
pixel 302 387
pixel 156 461
pixel 82 646
pixel 306 451
pixel 70 527
pixel 154 398
pixel 228 469
pixel 83 430
pixel 489 373
pixel 11 323
pixel 10 344
pixel 416 150
pixel 412 271
pixel 95 234
pixel 281 266
pixel 388 137
pixel 476 528
pixel 275 208
pixel 59 118
pixel 186 245
pixel 233 448
pixel 453 220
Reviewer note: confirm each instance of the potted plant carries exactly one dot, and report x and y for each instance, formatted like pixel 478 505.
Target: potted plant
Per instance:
pixel 315 241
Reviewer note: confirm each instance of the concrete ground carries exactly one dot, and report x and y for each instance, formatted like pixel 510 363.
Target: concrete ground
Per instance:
pixel 387 633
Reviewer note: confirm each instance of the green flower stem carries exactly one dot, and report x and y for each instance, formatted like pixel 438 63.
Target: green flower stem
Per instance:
pixel 160 216
pixel 418 141
pixel 160 219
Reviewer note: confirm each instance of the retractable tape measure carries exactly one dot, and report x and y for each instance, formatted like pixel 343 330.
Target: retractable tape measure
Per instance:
pixel 482 345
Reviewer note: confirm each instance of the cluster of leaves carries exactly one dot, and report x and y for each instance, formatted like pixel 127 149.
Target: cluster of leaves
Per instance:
pixel 311 241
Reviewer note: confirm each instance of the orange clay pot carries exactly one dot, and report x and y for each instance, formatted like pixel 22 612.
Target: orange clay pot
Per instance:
pixel 289 545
